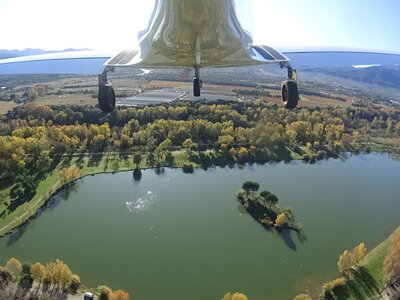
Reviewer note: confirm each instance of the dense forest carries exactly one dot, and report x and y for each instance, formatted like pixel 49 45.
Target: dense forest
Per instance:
pixel 33 136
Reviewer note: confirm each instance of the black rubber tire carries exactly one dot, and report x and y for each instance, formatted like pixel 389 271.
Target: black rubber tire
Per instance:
pixel 290 94
pixel 106 98
pixel 196 87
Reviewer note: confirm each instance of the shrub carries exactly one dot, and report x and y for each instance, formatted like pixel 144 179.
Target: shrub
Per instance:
pixel 240 194
pixel 334 286
pixel 119 295
pixel 26 268
pixel 75 283
pixel 104 292
pixel 5 276
pixel 281 220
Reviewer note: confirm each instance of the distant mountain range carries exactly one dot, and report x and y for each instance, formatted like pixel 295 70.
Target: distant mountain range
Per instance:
pixel 379 75
pixel 15 53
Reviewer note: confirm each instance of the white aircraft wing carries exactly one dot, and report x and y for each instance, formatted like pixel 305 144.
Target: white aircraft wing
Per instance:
pixel 323 57
pixel 74 62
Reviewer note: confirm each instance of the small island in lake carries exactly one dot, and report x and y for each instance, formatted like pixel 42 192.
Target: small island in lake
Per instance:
pixel 264 208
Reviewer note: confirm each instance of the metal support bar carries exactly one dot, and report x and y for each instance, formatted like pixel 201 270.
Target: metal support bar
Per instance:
pixel 197 72
pixel 103 78
pixel 292 74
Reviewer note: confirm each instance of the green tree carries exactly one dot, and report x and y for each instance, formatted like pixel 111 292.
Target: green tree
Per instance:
pixel 265 194
pixel 272 198
pixel 137 159
pixel 250 186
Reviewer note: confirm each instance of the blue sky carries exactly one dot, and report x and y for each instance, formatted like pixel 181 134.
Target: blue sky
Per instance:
pixel 60 24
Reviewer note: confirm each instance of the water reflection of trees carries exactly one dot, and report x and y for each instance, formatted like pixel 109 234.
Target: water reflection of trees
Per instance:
pixel 287 236
pixel 63 195
pixel 137 175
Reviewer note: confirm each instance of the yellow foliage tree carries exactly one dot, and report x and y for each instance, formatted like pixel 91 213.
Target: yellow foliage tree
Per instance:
pixel 243 152
pixel 14 266
pixel 37 272
pixel 281 220
pixel 104 292
pixel 392 261
pixel 359 252
pixel 239 296
pixel 68 174
pixel 235 296
pixel 302 297
pixel 349 259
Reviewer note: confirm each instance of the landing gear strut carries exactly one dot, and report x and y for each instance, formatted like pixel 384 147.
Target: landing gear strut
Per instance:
pixel 106 95
pixel 290 93
pixel 197 83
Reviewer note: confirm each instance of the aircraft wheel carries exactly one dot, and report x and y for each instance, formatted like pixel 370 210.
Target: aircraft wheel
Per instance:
pixel 106 98
pixel 290 94
pixel 196 87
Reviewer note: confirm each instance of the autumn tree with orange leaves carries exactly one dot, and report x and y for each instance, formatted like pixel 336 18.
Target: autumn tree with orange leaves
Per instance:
pixel 119 295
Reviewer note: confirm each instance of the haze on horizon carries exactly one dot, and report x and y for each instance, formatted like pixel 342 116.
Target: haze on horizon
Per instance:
pixel 99 24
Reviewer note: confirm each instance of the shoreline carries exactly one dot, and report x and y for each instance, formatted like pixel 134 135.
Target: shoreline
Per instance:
pixel 43 199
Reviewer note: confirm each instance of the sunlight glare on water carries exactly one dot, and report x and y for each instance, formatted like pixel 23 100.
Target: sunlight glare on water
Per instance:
pixel 141 203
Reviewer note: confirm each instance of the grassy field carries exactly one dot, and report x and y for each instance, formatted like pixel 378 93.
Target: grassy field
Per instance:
pixel 6 106
pixel 68 99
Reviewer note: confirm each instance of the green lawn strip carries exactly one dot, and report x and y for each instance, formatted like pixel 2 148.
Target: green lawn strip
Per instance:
pixel 26 210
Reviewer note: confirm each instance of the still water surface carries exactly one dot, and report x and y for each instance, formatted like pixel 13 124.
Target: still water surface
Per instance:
pixel 184 236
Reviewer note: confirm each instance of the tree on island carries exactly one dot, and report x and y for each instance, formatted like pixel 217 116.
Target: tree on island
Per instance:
pixel 268 196
pixel 250 186
pixel 281 220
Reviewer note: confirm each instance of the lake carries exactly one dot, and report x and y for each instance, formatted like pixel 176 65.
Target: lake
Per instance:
pixel 184 236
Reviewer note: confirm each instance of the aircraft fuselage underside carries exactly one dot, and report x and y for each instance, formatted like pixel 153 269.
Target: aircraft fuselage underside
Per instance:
pixel 193 33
